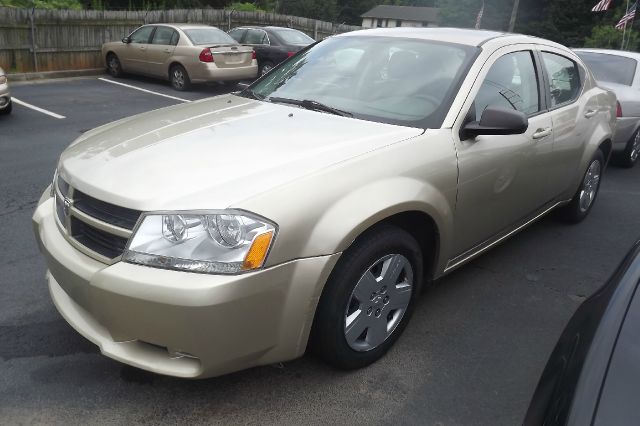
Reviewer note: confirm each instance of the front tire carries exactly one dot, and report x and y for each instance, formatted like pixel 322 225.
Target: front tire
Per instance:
pixel 368 298
pixel 113 65
pixel 585 197
pixel 630 155
pixel 265 68
pixel 179 78
pixel 7 109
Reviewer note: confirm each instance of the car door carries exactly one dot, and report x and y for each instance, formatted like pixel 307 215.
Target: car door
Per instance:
pixel 134 53
pixel 574 113
pixel 160 50
pixel 502 178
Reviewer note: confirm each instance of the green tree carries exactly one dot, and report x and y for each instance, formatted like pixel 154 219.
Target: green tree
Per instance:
pixel 608 37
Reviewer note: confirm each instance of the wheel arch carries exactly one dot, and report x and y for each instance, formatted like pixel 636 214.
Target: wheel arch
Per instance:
pixel 410 204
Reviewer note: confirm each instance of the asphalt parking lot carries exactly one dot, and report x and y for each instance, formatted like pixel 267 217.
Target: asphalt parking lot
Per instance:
pixel 471 355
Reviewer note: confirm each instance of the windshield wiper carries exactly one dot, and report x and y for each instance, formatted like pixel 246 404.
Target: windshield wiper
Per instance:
pixel 251 94
pixel 311 105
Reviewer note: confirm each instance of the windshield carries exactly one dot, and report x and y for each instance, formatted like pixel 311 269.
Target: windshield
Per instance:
pixel 610 68
pixel 393 80
pixel 294 37
pixel 208 36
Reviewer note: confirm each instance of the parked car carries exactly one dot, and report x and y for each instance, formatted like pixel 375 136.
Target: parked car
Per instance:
pixel 593 374
pixel 312 206
pixel 272 44
pixel 618 71
pixel 5 95
pixel 182 53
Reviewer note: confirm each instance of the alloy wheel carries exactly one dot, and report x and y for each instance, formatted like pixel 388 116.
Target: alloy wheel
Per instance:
pixel 590 185
pixel 635 148
pixel 178 78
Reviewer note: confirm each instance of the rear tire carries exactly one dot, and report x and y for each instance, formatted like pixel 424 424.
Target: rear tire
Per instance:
pixel 7 109
pixel 368 299
pixel 585 197
pixel 179 78
pixel 630 154
pixel 114 68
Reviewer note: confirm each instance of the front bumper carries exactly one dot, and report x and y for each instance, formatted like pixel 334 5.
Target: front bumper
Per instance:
pixel 204 72
pixel 625 128
pixel 179 323
pixel 5 96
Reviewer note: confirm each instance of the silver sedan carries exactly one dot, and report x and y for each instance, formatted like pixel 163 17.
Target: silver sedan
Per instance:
pixel 618 71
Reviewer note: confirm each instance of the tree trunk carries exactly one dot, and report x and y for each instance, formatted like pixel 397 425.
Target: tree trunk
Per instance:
pixel 514 14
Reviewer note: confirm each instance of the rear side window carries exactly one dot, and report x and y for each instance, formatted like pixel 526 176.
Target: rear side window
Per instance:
pixel 511 82
pixel 294 37
pixel 141 35
pixel 610 68
pixel 174 38
pixel 163 35
pixel 564 78
pixel 237 34
pixel 256 37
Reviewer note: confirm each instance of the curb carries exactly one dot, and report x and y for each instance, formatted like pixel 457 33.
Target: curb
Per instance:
pixel 29 76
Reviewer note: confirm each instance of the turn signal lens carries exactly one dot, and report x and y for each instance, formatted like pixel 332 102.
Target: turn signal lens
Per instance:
pixel 206 55
pixel 258 251
pixel 618 110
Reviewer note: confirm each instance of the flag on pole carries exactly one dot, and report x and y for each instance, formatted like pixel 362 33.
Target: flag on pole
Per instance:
pixel 629 16
pixel 479 18
pixel 602 6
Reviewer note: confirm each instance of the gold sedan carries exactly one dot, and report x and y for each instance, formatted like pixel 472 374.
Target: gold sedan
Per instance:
pixel 182 53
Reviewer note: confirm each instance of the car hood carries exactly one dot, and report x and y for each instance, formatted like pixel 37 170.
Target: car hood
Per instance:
pixel 214 153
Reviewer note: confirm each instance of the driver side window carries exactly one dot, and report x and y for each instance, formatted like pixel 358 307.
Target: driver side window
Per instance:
pixel 511 83
pixel 141 35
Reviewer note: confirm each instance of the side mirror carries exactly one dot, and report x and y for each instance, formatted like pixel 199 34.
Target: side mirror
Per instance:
pixel 497 121
pixel 126 40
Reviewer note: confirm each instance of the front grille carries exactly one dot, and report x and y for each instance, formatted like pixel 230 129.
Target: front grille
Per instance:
pixel 100 227
pixel 95 239
pixel 106 212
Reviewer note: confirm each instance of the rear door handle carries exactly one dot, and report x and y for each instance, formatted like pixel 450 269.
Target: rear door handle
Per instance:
pixel 167 50
pixel 542 133
pixel 590 113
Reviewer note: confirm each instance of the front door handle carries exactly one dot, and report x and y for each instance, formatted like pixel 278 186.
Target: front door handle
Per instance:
pixel 542 133
pixel 167 50
pixel 590 113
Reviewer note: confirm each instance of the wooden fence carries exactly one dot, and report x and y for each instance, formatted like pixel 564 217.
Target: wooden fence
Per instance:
pixel 57 40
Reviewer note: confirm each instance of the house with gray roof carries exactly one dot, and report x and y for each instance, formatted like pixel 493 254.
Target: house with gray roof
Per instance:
pixel 388 16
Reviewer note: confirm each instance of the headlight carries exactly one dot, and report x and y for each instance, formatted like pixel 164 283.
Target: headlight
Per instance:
pixel 224 242
pixel 3 79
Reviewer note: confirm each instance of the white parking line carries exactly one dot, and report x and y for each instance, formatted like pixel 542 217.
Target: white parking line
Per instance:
pixel 35 108
pixel 106 80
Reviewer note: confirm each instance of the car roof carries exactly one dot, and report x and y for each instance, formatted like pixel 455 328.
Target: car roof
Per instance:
pixel 183 26
pixel 456 35
pixel 258 27
pixel 623 53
